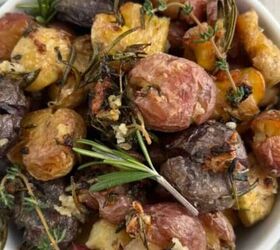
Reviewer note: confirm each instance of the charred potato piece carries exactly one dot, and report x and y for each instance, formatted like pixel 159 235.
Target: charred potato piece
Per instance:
pixel 170 220
pixel 103 236
pixel 266 128
pixel 171 92
pixel 46 142
pixel 200 161
pixel 264 54
pixel 249 107
pixel 105 30
pixel 199 10
pixel 12 27
pixel 38 50
pixel 258 203
pixel 219 231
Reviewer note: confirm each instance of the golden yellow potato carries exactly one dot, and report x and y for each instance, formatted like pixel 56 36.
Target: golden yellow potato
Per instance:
pixel 249 107
pixel 103 236
pixel 203 53
pixel 105 30
pixel 266 141
pixel 37 50
pixel 258 203
pixel 46 142
pixel 83 49
pixel 264 54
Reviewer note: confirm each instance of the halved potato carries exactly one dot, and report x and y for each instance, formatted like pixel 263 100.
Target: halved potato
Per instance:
pixel 264 54
pixel 258 203
pixel 38 50
pixel 249 107
pixel 105 30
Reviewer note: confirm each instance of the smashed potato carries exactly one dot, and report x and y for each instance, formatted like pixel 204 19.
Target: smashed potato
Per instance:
pixel 249 107
pixel 105 30
pixel 12 26
pixel 264 54
pixel 45 146
pixel 266 143
pixel 39 50
pixel 103 236
pixel 258 203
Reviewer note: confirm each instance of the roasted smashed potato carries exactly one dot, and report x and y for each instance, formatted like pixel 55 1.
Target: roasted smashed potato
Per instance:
pixel 266 141
pixel 12 27
pixel 264 54
pixel 219 231
pixel 103 236
pixel 171 92
pixel 258 203
pixel 247 108
pixel 38 50
pixel 105 30
pixel 45 146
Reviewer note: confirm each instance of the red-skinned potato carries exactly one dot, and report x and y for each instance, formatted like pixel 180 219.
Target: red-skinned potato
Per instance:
pixel 171 92
pixel 266 143
pixel 219 231
pixel 199 10
pixel 171 220
pixel 45 145
pixel 12 26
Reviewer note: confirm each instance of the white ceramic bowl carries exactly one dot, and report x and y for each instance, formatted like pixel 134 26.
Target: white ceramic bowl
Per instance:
pixel 263 236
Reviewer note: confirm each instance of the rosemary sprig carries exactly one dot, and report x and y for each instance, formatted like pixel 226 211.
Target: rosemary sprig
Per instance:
pixel 13 174
pixel 43 10
pixel 130 169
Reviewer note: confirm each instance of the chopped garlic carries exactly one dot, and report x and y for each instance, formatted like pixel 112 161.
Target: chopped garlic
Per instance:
pixel 8 67
pixel 178 245
pixel 120 132
pixel 68 206
pixel 115 102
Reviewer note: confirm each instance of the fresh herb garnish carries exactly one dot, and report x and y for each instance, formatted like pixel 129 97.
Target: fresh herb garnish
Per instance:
pixel 130 169
pixel 206 35
pixel 7 201
pixel 235 97
pixel 43 10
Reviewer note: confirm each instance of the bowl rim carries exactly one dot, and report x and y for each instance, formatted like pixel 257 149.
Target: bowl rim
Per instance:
pixel 272 29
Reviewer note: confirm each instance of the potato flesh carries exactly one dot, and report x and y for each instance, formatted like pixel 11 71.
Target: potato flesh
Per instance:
pixel 105 30
pixel 249 107
pixel 103 236
pixel 44 147
pixel 258 203
pixel 37 50
pixel 264 54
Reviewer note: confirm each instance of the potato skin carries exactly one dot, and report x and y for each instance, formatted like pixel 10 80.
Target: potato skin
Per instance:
pixel 170 220
pixel 219 231
pixel 198 162
pixel 258 203
pixel 46 142
pixel 37 51
pixel 105 30
pixel 266 141
pixel 264 54
pixel 171 92
pixel 12 26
